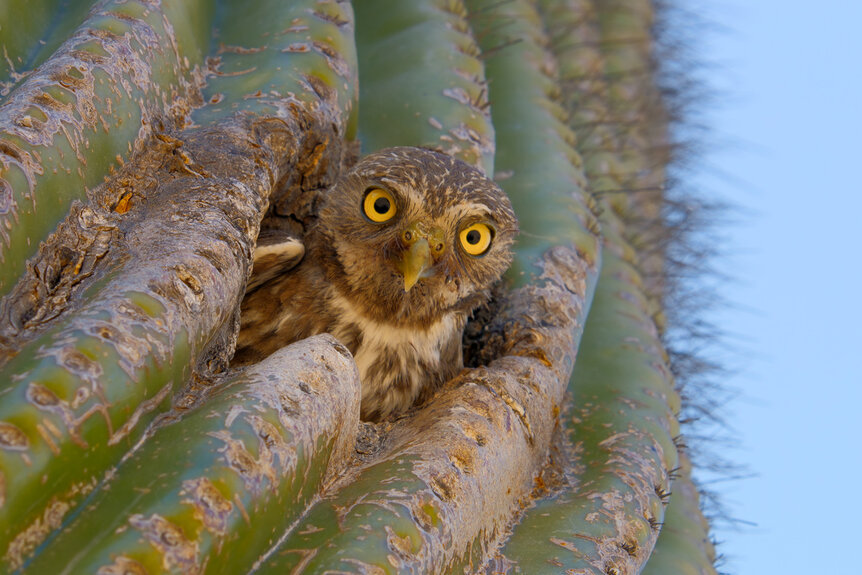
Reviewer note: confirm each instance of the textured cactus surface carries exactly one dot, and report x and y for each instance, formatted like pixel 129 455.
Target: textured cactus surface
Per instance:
pixel 143 144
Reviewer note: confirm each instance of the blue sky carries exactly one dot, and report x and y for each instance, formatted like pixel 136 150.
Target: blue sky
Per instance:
pixel 788 139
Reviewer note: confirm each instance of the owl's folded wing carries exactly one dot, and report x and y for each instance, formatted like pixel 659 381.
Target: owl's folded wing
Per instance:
pixel 275 254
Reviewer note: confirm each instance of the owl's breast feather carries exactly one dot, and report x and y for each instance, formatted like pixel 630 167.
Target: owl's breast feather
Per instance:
pixel 397 363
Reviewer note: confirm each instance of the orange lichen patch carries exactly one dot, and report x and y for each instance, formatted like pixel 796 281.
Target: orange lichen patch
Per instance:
pixel 539 485
pixel 297 47
pixel 173 143
pixel 311 162
pixel 169 540
pixel 124 204
pixel 539 354
pixel 568 545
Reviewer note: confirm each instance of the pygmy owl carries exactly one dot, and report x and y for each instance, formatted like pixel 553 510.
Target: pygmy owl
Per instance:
pixel 404 246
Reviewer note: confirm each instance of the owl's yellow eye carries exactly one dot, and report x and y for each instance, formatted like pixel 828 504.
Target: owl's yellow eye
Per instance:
pixel 379 205
pixel 476 239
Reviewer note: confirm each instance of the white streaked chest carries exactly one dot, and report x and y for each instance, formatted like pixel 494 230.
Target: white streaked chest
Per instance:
pixel 417 351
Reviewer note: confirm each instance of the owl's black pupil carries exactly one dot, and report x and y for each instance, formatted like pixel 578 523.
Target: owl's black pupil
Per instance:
pixel 381 205
pixel 473 237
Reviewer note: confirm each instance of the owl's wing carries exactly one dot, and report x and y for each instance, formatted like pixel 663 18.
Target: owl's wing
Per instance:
pixel 276 253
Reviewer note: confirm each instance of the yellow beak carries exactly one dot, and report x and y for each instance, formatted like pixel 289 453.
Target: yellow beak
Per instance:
pixel 415 261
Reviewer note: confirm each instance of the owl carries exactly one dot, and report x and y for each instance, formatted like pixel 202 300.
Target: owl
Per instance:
pixel 403 248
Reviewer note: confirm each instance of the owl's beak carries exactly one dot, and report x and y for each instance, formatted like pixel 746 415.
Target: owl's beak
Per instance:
pixel 414 261
pixel 424 244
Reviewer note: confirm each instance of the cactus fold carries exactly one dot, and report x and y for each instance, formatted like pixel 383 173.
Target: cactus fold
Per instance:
pixel 162 273
pixel 423 82
pixel 609 478
pixel 80 116
pixel 441 491
pixel 536 163
pixel 684 546
pixel 235 471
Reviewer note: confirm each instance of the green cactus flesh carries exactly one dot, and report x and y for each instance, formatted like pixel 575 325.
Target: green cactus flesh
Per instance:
pixel 233 473
pixel 30 31
pixel 535 162
pixel 609 473
pixel 423 83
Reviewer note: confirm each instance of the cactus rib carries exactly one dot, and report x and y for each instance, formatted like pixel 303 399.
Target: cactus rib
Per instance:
pixel 423 83
pixel 536 162
pixel 603 499
pixel 81 115
pixel 225 479
pixel 683 546
pixel 166 281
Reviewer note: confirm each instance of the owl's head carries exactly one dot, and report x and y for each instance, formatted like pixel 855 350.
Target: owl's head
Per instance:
pixel 410 233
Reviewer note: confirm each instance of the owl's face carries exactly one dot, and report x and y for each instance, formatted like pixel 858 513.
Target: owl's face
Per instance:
pixel 409 234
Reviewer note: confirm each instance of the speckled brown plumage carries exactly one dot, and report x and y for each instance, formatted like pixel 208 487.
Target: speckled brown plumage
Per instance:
pixel 406 342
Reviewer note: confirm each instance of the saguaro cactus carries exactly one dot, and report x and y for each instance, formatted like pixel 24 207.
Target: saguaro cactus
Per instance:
pixel 142 143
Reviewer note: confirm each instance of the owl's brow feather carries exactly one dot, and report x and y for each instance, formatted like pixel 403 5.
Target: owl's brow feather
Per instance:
pixel 474 210
pixel 410 192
